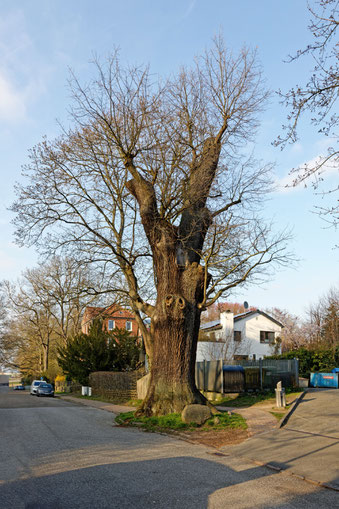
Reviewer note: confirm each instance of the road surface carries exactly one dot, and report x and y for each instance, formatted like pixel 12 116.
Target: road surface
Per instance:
pixel 60 455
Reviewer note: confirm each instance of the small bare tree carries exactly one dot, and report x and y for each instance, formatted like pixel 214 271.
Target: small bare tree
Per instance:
pixel 46 307
pixel 4 357
pixel 293 335
pixel 323 321
pixel 150 182
pixel 318 97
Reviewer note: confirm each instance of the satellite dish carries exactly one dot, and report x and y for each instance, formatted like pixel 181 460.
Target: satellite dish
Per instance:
pixel 246 304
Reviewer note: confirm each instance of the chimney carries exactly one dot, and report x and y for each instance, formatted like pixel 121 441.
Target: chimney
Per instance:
pixel 227 323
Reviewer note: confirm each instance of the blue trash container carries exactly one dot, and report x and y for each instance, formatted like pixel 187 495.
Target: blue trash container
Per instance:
pixel 329 380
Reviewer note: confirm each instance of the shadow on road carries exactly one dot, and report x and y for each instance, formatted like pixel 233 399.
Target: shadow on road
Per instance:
pixel 180 482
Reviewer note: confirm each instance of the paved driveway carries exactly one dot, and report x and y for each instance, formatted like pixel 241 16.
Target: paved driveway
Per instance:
pixel 309 443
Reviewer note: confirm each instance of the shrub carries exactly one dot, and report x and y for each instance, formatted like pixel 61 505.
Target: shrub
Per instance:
pixel 312 360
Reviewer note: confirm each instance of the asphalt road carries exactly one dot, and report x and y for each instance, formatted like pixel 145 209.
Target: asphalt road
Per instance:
pixel 60 455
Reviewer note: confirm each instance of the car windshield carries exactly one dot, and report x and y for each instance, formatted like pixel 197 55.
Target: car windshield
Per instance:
pixel 36 383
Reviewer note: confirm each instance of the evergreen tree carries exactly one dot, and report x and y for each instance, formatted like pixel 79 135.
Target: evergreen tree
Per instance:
pixel 125 352
pixel 98 351
pixel 86 353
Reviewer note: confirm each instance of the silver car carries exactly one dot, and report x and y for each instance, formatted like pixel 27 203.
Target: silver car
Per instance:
pixel 45 389
pixel 35 385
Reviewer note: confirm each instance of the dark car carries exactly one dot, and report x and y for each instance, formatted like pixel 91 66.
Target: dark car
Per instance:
pixel 19 388
pixel 45 390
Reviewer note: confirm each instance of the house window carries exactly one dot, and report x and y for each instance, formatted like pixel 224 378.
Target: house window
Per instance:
pixel 111 324
pixel 267 336
pixel 129 326
pixel 237 335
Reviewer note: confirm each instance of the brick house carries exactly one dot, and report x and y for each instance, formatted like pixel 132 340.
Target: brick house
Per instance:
pixel 113 317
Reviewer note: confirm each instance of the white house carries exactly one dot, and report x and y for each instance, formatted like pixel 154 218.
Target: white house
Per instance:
pixel 250 335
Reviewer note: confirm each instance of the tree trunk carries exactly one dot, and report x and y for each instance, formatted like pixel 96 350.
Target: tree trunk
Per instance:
pixel 45 348
pixel 175 328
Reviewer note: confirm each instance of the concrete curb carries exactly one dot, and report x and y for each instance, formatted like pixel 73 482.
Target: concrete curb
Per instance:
pixel 285 419
pixel 328 486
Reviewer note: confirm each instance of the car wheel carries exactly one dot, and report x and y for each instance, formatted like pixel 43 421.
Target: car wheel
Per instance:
pixel 38 395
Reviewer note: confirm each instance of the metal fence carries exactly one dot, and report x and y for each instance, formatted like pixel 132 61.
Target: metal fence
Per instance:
pixel 256 375
pixel 208 376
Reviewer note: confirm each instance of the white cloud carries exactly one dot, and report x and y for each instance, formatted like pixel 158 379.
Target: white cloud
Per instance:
pixel 12 101
pixel 24 74
pixel 285 185
pixel 329 168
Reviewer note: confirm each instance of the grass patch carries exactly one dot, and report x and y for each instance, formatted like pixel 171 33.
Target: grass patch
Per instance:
pixel 278 415
pixel 134 402
pixel 245 399
pixel 173 422
pixel 252 398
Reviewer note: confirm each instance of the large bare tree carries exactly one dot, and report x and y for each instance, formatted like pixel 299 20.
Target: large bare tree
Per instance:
pixel 150 181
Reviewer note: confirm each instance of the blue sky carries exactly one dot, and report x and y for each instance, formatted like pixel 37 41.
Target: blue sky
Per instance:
pixel 40 40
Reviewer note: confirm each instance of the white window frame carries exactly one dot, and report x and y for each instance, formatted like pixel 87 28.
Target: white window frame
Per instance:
pixel 129 325
pixel 110 322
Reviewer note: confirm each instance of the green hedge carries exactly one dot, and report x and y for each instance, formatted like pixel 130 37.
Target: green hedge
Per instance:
pixel 313 360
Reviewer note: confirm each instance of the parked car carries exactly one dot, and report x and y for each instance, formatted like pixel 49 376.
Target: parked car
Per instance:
pixel 19 388
pixel 35 385
pixel 45 389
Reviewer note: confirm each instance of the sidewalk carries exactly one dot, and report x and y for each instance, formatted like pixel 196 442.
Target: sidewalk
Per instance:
pixel 308 445
pixel 109 407
pixel 258 420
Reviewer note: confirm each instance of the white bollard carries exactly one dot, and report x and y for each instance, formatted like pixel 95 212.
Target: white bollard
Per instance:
pixel 280 397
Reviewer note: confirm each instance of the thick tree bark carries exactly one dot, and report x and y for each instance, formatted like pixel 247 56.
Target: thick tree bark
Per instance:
pixel 175 328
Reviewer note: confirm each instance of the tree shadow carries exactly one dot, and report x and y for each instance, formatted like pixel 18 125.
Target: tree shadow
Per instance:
pixel 309 455
pixel 181 482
